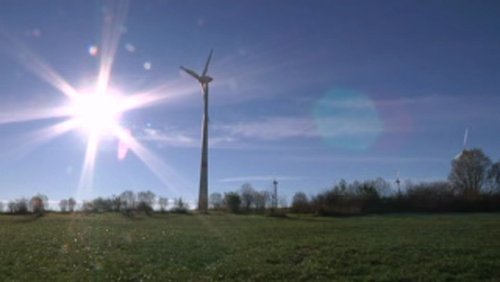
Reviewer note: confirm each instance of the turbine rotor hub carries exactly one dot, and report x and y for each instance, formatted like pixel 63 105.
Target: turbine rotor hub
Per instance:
pixel 205 79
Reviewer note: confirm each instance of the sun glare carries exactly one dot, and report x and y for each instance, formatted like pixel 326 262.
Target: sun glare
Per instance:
pixel 97 113
pixel 96 110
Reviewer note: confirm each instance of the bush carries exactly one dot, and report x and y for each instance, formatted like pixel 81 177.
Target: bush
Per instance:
pixel 232 202
pixel 300 203
pixel 19 206
pixel 180 206
pixel 349 199
pixel 145 207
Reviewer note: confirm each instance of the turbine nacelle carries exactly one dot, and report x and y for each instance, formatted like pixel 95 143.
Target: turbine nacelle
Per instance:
pixel 203 78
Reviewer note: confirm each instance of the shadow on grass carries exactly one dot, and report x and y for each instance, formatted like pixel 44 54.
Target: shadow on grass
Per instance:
pixel 26 218
pixel 167 215
pixel 278 215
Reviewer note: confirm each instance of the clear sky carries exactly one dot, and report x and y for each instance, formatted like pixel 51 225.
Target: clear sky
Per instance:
pixel 309 92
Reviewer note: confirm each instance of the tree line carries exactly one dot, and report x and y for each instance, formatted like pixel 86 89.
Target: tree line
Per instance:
pixel 473 185
pixel 246 200
pixel 36 205
pixel 128 203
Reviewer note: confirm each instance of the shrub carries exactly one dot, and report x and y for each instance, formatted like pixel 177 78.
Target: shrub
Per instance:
pixel 180 206
pixel 232 202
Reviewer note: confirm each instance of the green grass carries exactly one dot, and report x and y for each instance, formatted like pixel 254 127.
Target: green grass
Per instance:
pixel 111 247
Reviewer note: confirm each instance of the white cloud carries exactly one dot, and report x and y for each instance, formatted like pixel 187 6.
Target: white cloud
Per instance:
pixel 176 138
pixel 244 134
pixel 277 128
pixel 168 137
pixel 272 128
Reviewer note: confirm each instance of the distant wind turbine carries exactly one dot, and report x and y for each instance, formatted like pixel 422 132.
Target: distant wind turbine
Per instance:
pixel 204 80
pixel 466 136
pixel 398 182
pixel 275 194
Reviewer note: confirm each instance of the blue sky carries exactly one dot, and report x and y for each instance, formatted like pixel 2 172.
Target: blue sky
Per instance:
pixel 308 92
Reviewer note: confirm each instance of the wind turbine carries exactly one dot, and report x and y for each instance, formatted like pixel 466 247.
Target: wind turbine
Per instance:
pixel 398 183
pixel 466 136
pixel 204 80
pixel 275 193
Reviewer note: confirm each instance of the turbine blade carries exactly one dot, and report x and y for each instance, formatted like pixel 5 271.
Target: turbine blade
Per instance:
pixel 466 135
pixel 190 72
pixel 205 70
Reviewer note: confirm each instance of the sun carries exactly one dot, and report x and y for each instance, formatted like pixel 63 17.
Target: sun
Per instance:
pixel 97 113
pixel 96 110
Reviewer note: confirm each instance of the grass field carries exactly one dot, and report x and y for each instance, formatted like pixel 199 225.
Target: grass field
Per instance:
pixel 111 247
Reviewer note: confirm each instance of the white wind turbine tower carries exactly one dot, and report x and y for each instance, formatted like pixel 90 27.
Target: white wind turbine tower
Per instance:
pixel 275 194
pixel 398 182
pixel 466 136
pixel 204 80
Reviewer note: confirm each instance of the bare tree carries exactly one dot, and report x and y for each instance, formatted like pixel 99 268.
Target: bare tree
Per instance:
pixel 63 205
pixel 102 205
pixel 283 202
pixel 300 202
pixel 88 206
pixel 247 195
pixel 38 204
pixel 116 203
pixel 71 204
pixel 382 187
pixel 216 201
pixel 261 199
pixel 494 177
pixel 11 206
pixel 468 172
pixel 232 201
pixel 268 196
pixel 163 202
pixel 180 206
pixel 19 206
pixel 146 201
pixel 127 201
pixel 179 203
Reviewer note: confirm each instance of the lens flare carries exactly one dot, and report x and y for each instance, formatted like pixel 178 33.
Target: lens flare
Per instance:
pixel 163 171
pixel 97 113
pixel 123 146
pixel 93 50
pixel 347 120
pixel 87 174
